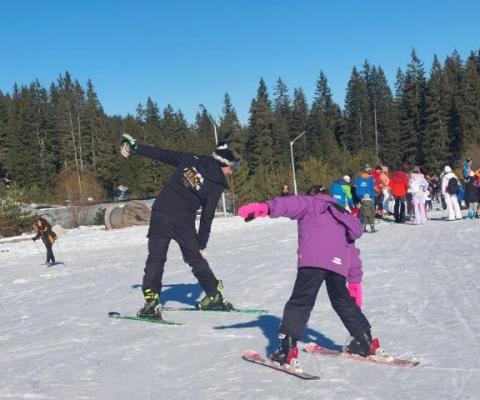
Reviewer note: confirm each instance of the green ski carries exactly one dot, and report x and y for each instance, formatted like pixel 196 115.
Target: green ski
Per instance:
pixel 233 310
pixel 114 314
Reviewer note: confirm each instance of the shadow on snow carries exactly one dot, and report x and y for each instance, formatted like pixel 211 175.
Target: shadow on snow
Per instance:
pixel 269 324
pixel 185 293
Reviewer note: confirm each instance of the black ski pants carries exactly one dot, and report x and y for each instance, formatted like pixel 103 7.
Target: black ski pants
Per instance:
pixel 162 230
pixel 399 209
pixel 298 308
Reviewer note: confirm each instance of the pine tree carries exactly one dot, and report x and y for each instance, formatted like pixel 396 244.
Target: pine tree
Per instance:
pixel 358 116
pixel 230 129
pixel 299 123
pixel 323 122
pixel 260 141
pixel 412 110
pixel 4 105
pixel 436 141
pixel 281 120
pixel 25 159
pixel 470 88
pixel 102 146
pixel 387 143
pixel 453 105
pixel 68 103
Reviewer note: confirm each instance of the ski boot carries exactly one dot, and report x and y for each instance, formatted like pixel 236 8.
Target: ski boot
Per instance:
pixel 363 345
pixel 150 309
pixel 287 352
pixel 372 229
pixel 215 301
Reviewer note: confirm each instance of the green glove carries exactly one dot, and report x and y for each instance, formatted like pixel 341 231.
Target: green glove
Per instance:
pixel 130 141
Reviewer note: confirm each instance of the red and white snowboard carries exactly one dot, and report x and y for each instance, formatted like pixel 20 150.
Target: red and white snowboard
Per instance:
pixel 379 358
pixel 253 356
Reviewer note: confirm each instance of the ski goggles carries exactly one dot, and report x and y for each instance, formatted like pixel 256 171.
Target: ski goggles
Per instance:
pixel 234 164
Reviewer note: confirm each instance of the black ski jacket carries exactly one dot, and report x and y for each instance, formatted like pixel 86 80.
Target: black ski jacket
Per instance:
pixel 472 194
pixel 198 181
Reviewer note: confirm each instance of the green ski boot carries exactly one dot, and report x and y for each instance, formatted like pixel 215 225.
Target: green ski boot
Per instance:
pixel 151 308
pixel 216 301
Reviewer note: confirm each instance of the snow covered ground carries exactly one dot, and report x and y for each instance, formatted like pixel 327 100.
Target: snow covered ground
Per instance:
pixel 421 294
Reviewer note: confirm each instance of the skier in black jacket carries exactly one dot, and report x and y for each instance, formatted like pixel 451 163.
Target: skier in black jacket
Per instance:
pixel 198 181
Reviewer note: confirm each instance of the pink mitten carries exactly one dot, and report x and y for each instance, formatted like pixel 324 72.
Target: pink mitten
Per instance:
pixel 355 290
pixel 253 210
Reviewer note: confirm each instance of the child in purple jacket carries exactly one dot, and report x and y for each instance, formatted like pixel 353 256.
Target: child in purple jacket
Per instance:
pixel 326 252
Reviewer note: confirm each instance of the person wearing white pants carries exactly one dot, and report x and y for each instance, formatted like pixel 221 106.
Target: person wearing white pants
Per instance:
pixel 418 186
pixel 451 199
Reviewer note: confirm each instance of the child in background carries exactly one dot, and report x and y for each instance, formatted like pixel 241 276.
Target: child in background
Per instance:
pixel 44 231
pixel 367 212
pixel 472 197
pixel 285 191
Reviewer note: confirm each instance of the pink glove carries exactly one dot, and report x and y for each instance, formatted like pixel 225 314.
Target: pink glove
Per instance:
pixel 253 210
pixel 355 290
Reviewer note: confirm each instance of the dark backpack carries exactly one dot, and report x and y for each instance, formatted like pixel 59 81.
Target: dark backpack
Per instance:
pixel 452 186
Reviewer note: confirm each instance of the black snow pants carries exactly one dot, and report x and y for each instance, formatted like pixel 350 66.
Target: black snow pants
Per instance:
pixel 162 230
pixel 399 209
pixel 298 308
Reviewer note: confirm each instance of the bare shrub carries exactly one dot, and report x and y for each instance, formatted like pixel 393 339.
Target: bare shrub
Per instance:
pixel 78 189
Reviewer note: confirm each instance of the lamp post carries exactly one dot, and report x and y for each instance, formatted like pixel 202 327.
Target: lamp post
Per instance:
pixel 293 161
pixel 224 206
pixel 375 122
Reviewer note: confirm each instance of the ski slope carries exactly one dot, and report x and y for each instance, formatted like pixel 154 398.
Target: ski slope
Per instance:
pixel 421 295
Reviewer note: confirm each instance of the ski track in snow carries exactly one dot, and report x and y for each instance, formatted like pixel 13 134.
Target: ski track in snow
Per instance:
pixel 421 295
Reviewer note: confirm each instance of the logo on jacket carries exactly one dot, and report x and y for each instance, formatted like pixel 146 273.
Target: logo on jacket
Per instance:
pixel 192 178
pixel 337 260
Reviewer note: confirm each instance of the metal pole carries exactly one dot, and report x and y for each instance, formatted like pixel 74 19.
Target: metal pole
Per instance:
pixel 293 161
pixel 293 169
pixel 224 205
pixel 376 132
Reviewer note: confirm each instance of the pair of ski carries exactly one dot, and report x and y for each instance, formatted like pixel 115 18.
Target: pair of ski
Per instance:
pixel 115 314
pixel 313 348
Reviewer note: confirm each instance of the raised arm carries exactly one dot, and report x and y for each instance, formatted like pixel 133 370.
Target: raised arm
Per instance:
pixel 155 153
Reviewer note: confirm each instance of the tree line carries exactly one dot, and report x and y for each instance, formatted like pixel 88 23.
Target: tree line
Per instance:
pixel 58 144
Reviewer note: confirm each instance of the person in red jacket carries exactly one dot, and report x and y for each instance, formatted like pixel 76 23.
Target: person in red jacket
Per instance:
pixel 399 187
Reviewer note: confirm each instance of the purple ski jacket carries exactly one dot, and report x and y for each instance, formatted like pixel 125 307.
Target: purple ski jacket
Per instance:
pixel 326 234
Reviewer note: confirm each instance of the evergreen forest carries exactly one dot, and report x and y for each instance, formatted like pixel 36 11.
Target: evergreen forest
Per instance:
pixel 58 145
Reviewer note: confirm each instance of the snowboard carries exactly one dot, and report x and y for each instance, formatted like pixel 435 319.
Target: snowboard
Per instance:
pixel 254 357
pixel 234 310
pixel 381 358
pixel 114 314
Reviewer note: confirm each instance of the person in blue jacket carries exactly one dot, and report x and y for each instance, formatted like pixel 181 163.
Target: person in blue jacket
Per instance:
pixel 364 184
pixel 341 192
pixel 467 168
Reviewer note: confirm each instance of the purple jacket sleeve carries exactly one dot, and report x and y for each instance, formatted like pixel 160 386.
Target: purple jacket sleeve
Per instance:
pixel 293 207
pixel 355 271
pixel 352 224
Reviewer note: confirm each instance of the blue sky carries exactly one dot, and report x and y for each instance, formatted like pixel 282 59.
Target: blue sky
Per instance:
pixel 185 52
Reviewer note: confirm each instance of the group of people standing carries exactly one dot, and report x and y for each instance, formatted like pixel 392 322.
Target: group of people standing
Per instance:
pixel 412 191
